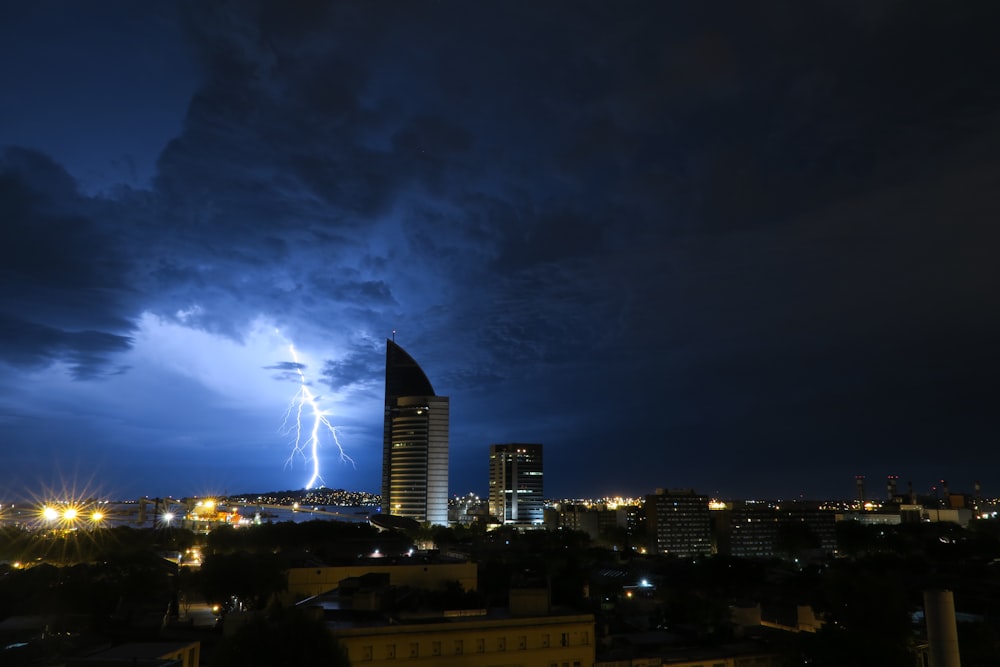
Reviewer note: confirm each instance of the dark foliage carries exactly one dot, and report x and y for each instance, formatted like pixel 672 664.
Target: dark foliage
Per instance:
pixel 282 637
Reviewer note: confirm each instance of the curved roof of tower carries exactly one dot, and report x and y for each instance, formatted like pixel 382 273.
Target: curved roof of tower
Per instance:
pixel 403 376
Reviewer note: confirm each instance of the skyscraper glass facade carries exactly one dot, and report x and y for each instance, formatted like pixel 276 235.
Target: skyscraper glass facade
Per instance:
pixel 516 484
pixel 414 442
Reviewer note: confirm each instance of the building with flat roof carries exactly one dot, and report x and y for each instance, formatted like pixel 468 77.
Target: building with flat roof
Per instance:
pixel 480 639
pixel 414 442
pixel 768 529
pixel 374 624
pixel 678 523
pixel 516 485
pixel 306 582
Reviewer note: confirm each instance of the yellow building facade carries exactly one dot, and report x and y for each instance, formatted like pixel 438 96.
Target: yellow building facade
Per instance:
pixel 474 641
pixel 306 582
pixel 741 661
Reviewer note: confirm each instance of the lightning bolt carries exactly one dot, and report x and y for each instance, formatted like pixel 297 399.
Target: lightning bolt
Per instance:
pixel 304 408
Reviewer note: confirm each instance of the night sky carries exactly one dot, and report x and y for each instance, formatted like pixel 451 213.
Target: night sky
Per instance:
pixel 750 248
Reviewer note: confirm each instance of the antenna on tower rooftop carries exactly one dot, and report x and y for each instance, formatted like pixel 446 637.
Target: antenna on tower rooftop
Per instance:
pixel 393 335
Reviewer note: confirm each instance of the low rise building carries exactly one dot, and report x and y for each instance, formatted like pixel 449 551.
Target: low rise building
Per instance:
pixel 304 582
pixel 380 625
pixel 654 649
pixel 471 638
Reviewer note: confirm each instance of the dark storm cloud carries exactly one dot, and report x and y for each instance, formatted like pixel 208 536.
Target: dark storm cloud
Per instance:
pixel 88 353
pixel 63 279
pixel 374 293
pixel 857 108
pixel 362 365
pixel 690 179
pixel 286 366
pixel 288 371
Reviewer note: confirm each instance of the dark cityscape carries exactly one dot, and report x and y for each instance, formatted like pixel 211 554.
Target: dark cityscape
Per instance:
pixel 339 577
pixel 494 334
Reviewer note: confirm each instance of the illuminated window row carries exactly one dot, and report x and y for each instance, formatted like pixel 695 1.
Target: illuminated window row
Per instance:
pixel 502 643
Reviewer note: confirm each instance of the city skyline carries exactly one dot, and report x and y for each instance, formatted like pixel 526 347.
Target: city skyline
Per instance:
pixel 745 249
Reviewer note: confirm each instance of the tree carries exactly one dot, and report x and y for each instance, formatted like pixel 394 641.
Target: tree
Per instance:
pixel 283 637
pixel 252 578
pixel 867 620
pixel 795 539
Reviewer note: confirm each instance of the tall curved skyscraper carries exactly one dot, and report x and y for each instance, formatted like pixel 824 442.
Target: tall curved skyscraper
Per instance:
pixel 414 442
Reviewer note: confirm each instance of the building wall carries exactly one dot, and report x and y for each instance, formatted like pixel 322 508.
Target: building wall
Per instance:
pixel 752 529
pixel 418 458
pixel 414 442
pixel 437 461
pixel 308 581
pixel 510 642
pixel 516 484
pixel 738 661
pixel 678 523
pixel 586 519
pixel 959 516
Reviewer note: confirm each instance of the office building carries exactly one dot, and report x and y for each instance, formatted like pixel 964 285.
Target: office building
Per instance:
pixel 678 523
pixel 595 520
pixel 516 490
pixel 761 529
pixel 414 442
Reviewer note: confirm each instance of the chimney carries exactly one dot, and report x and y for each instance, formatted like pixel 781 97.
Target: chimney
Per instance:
pixel 942 629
